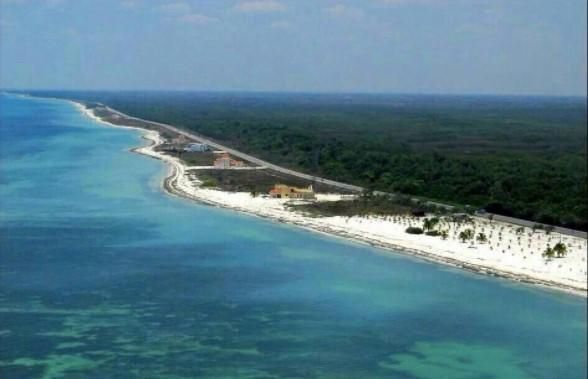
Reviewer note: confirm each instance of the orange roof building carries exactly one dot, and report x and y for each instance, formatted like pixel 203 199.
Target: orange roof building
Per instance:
pixel 282 191
pixel 225 161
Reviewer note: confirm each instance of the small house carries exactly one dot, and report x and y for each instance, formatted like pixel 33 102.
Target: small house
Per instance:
pixel 282 191
pixel 225 161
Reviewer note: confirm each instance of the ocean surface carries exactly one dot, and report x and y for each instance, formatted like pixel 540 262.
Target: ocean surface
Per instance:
pixel 103 275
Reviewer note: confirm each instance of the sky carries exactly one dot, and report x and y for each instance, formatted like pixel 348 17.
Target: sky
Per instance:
pixel 526 47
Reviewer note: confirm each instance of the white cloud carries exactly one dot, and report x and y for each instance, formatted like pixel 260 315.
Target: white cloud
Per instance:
pixel 54 3
pixel 183 12
pixel 197 19
pixel 260 6
pixel 395 2
pixel 48 3
pixel 129 3
pixel 10 2
pixel 341 10
pixel 175 8
pixel 419 2
pixel 282 24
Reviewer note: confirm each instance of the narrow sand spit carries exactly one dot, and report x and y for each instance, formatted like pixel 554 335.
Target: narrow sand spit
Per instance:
pixel 507 253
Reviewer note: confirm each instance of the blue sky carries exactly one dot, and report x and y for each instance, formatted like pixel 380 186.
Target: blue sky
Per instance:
pixel 407 46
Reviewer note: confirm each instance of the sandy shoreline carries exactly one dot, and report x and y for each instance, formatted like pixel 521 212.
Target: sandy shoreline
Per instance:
pixel 521 263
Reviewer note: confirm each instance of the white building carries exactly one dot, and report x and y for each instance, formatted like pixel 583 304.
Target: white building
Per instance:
pixel 196 147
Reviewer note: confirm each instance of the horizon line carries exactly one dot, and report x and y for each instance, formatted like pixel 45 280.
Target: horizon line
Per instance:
pixel 296 92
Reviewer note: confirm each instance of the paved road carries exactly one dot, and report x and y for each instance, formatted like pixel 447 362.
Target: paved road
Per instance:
pixel 244 168
pixel 345 186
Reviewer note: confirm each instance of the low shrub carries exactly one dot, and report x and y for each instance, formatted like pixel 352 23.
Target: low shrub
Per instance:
pixel 414 230
pixel 209 182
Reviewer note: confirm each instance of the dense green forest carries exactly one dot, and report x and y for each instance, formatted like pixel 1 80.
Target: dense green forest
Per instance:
pixel 517 156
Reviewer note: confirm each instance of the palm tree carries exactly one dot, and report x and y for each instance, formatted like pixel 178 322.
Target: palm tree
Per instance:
pixel 481 238
pixel 430 223
pixel 548 253
pixel 560 249
pixel 427 225
pixel 466 235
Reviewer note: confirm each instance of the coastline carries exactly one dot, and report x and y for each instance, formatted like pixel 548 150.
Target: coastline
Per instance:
pixel 179 182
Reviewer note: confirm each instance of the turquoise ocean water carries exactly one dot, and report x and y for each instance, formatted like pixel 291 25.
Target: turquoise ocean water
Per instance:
pixel 102 275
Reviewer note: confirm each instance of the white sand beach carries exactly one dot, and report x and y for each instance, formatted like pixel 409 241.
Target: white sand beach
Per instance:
pixel 508 252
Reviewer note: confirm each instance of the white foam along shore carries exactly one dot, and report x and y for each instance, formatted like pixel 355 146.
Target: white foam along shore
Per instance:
pixel 508 253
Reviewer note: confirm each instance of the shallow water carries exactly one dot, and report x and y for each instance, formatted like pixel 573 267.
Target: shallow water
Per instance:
pixel 104 275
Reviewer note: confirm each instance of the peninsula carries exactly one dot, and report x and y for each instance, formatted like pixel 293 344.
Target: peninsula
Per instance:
pixel 551 257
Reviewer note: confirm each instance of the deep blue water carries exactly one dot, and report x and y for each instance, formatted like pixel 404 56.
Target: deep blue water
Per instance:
pixel 103 275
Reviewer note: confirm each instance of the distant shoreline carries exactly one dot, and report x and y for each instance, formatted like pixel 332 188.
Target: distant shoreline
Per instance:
pixel 169 131
pixel 580 97
pixel 177 183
